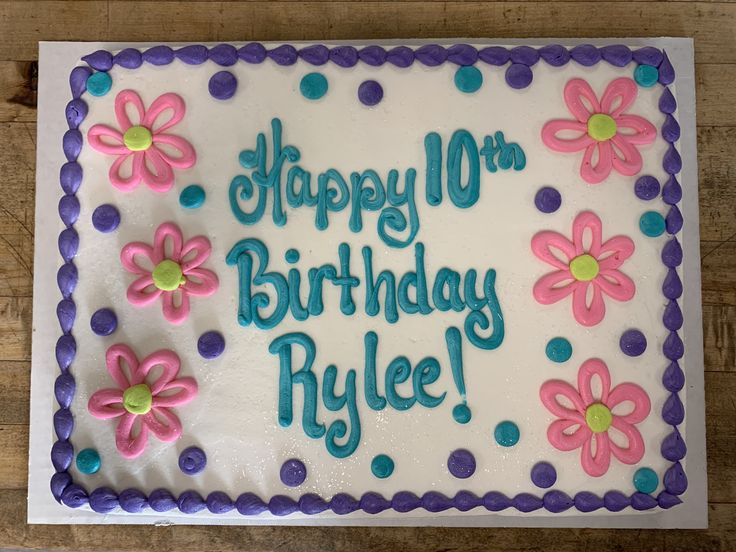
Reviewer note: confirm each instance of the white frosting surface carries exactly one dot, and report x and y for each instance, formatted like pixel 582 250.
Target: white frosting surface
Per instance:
pixel 234 417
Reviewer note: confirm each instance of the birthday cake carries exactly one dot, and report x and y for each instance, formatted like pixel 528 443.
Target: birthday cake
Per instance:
pixel 332 279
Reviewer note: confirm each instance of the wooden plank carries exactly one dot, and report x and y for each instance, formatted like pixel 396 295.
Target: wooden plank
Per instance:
pixel 719 337
pixel 200 21
pixel 15 328
pixel 15 381
pixel 720 416
pixel 18 85
pixel 717 173
pixel 13 457
pixel 719 274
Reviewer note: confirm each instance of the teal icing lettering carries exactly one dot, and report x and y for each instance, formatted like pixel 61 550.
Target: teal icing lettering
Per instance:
pixel 316 280
pixel 447 282
pixel 250 304
pixel 346 281
pixel 478 318
pixel 418 280
pixel 433 153
pixel 392 217
pixel 242 188
pixel 398 371
pixel 338 429
pixel 506 155
pixel 426 373
pixel 295 302
pixel 330 199
pixel 463 196
pixel 372 305
pixel 282 346
pixel 374 400
pixel 304 195
pixel 369 198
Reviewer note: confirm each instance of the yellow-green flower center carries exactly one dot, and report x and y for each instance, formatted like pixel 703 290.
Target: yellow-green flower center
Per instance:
pixel 137 399
pixel 167 275
pixel 598 417
pixel 601 127
pixel 584 268
pixel 137 138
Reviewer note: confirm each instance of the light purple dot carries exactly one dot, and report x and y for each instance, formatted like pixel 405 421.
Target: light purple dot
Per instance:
pixel 461 463
pixel 293 472
pixel 518 76
pixel 646 187
pixel 222 85
pixel 104 322
pixel 105 218
pixel 548 199
pixel 633 343
pixel 211 344
pixel 544 475
pixel 370 92
pixel 192 460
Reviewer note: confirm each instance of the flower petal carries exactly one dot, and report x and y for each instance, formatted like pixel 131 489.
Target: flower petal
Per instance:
pixel 200 282
pixel 630 392
pixel 588 370
pixel 590 222
pixel 558 438
pixel 580 141
pixel 187 391
pixel 635 449
pixel 577 90
pixel 167 231
pixel 644 132
pixel 615 284
pixel 588 315
pixel 95 137
pixel 123 100
pixel 100 404
pixel 549 392
pixel 128 258
pixel 130 446
pixel 620 93
pixel 614 252
pixel 596 464
pixel 163 423
pixel 626 158
pixel 130 182
pixel 594 174
pixel 201 249
pixel 157 173
pixel 165 102
pixel 142 292
pixel 187 156
pixel 176 314
pixel 167 360
pixel 551 287
pixel 114 359
pixel 542 244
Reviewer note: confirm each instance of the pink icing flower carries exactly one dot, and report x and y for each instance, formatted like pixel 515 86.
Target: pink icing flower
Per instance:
pixel 142 407
pixel 604 131
pixel 171 272
pixel 585 272
pixel 590 423
pixel 145 152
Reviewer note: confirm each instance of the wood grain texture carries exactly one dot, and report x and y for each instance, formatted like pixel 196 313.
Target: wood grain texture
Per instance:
pixel 22 24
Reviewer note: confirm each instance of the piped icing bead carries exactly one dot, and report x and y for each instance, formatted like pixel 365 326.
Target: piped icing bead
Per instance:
pixel 548 199
pixel 382 466
pixel 192 460
pixel 646 76
pixel 318 54
pixel 293 472
pixel 544 475
pixel 585 54
pixel 462 54
pixel 161 500
pixel 633 343
pixel 518 76
pixel 104 322
pixel 494 55
pixel 222 85
pixel 88 461
pixel 370 93
pixel 159 55
pixel 555 55
pixel 99 84
pixel 646 187
pixel 461 463
pixel 506 433
pixel 193 54
pixel 129 58
pixel 106 218
pixel 219 502
pixel 211 344
pixel 190 502
pixel 468 79
pixel 558 349
pixel 225 55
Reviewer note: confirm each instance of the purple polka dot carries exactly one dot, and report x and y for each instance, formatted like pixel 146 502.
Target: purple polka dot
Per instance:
pixel 104 322
pixel 548 199
pixel 646 187
pixel 633 343
pixel 105 218
pixel 222 85
pixel 211 344
pixel 192 460
pixel 461 463
pixel 518 76
pixel 293 472
pixel 370 92
pixel 544 475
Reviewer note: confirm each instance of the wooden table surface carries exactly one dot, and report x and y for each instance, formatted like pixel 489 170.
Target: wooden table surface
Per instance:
pixel 24 23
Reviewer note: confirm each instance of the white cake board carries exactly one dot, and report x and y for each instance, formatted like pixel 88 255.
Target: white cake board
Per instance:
pixel 56 59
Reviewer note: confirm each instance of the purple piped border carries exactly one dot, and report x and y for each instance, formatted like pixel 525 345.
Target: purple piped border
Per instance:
pixel 520 60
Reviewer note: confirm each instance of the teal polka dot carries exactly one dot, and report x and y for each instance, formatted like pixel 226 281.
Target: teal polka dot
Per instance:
pixel 461 413
pixel 313 86
pixel 468 79
pixel 291 256
pixel 652 224
pixel 382 466
pixel 646 480
pixel 192 197
pixel 506 434
pixel 88 461
pixel 646 76
pixel 99 84
pixel 558 349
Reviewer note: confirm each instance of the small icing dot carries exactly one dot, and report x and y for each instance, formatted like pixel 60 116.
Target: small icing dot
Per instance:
pixel 138 138
pixel 293 473
pixel 105 218
pixel 652 224
pixel 382 466
pixel 468 79
pixel 584 267
pixel 646 76
pixel 99 84
pixel 633 343
pixel 370 92
pixel 192 460
pixel 192 197
pixel 247 159
pixel 558 349
pixel 461 463
pixel 292 256
pixel 88 461
pixel 104 322
pixel 518 76
pixel 544 475
pixel 210 344
pixel 167 275
pixel 601 127
pixel 506 434
pixel 646 480
pixel 646 187
pixel 598 417
pixel 138 399
pixel 461 413
pixel 548 199
pixel 313 86
pixel 222 85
